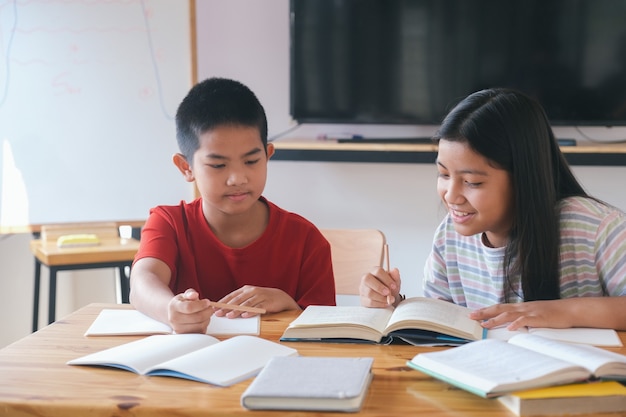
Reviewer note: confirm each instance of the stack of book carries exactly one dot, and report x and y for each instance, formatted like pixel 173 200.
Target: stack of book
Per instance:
pixel 567 374
pixel 583 398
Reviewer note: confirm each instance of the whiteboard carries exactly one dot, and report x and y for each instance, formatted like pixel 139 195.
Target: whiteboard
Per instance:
pixel 88 94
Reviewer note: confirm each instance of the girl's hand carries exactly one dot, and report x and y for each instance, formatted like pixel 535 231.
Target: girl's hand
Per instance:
pixel 380 288
pixel 272 300
pixel 598 312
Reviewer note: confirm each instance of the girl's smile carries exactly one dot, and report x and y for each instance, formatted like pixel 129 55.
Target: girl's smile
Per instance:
pixel 459 216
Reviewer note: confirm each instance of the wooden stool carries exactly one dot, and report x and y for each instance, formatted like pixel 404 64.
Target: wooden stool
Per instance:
pixel 112 252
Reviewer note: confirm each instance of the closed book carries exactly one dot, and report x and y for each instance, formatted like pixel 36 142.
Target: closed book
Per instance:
pixel 585 398
pixel 310 384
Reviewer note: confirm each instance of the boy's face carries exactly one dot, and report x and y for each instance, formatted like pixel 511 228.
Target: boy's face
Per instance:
pixel 229 168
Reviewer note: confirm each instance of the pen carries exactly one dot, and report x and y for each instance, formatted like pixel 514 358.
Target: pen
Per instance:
pixel 390 298
pixel 191 293
pixel 237 307
pixel 386 250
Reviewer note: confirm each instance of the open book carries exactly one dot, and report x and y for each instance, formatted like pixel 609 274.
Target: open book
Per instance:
pixel 197 357
pixel 494 367
pixel 418 320
pixel 122 322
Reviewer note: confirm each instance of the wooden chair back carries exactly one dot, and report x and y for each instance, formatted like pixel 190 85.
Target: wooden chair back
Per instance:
pixel 104 230
pixel 354 252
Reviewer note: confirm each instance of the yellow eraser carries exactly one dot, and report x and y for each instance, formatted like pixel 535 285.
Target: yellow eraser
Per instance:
pixel 84 239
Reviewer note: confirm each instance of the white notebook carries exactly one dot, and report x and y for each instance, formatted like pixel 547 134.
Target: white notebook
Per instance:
pixel 112 322
pixel 193 356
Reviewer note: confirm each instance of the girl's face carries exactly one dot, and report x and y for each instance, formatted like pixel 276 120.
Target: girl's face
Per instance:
pixel 478 196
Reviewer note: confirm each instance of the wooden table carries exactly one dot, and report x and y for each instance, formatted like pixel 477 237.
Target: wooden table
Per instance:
pixel 35 381
pixel 110 253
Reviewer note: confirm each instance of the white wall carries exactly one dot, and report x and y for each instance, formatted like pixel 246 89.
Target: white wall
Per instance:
pixel 398 199
pixel 248 40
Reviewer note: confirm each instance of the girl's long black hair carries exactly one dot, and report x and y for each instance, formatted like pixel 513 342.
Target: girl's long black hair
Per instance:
pixel 513 132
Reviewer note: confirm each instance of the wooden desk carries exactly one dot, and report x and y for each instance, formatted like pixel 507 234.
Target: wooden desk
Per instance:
pixel 35 381
pixel 332 151
pixel 110 253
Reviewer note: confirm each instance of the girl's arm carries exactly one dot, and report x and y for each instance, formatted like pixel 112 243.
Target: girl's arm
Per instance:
pixel 598 312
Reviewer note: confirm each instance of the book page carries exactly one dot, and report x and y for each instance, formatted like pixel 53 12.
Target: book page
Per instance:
pixel 112 322
pixel 142 354
pixel 590 336
pixel 490 365
pixel 224 363
pixel 590 357
pixel 438 315
pixel 223 326
pixel 587 389
pixel 587 336
pixel 322 316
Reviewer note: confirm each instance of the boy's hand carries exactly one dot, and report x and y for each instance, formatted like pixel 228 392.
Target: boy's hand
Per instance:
pixel 272 300
pixel 187 313
pixel 380 288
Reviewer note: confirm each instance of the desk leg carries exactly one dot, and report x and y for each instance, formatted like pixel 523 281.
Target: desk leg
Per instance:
pixel 36 295
pixel 124 285
pixel 52 295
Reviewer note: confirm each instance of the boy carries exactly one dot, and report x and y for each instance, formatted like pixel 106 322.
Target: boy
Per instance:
pixel 230 245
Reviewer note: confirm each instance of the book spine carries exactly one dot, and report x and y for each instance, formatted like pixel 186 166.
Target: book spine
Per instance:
pixel 449 380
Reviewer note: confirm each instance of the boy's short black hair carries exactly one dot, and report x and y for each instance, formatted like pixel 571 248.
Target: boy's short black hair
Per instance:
pixel 217 102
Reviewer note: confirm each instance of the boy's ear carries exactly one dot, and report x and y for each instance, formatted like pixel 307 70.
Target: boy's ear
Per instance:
pixel 269 149
pixel 183 166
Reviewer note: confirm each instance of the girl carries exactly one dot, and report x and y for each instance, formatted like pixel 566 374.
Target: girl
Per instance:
pixel 522 242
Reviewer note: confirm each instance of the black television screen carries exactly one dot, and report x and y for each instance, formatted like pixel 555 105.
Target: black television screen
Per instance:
pixel 410 61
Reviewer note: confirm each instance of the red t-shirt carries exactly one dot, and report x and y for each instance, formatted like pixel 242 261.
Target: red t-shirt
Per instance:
pixel 291 255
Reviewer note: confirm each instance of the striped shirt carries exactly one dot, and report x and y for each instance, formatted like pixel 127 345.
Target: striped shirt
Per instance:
pixel 461 269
